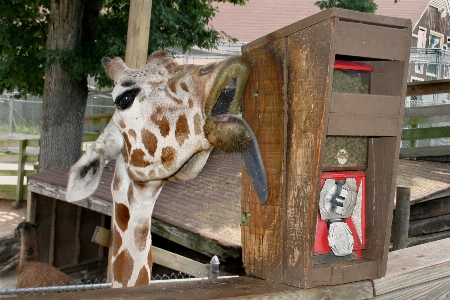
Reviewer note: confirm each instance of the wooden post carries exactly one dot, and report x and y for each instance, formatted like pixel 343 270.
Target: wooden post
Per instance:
pixel 138 33
pixel 21 170
pixel 401 217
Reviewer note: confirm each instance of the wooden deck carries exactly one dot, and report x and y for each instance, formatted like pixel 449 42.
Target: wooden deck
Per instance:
pixel 201 214
pixel 420 272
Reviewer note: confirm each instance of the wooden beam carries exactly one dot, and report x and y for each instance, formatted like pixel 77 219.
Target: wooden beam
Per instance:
pixel 426 133
pixel 424 151
pixel 138 33
pixel 426 114
pixel 177 262
pixel 401 217
pixel 428 87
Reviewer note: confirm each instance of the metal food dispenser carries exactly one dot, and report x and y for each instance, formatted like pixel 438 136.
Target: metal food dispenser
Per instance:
pixel 326 100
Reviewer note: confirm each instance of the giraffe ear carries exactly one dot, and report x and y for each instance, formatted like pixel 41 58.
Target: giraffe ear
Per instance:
pixel 231 133
pixel 114 67
pixel 86 173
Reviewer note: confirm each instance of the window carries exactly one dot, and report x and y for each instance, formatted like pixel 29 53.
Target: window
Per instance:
pixel 422 37
pixel 432 70
pixel 418 67
pixel 436 40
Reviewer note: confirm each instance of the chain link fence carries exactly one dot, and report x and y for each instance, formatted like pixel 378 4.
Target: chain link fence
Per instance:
pixel 101 285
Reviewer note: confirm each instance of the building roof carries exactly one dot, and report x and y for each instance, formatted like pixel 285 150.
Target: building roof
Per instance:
pixel 261 17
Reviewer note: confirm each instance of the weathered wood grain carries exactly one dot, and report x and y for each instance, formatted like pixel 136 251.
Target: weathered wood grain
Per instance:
pixel 363 40
pixel 413 266
pixel 433 290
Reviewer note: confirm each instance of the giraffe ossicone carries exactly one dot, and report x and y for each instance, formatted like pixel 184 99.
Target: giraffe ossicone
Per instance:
pixel 168 119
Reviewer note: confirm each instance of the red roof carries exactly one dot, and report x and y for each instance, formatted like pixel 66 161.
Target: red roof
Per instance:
pixel 260 17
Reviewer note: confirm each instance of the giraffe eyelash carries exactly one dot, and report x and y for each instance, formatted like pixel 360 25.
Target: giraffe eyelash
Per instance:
pixel 126 99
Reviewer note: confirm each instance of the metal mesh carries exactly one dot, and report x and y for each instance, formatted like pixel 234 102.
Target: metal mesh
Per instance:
pixel 96 285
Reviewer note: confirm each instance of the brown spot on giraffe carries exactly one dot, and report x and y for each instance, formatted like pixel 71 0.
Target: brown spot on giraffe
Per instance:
pixel 168 157
pixel 122 123
pixel 191 103
pixel 141 234
pixel 117 181
pixel 142 277
pixel 122 216
pixel 130 194
pixel 182 129
pixel 197 124
pixel 173 87
pixel 117 242
pixel 161 120
pixel 123 267
pixel 138 159
pixel 184 87
pixel 127 142
pixel 132 134
pixel 125 154
pixel 172 97
pixel 150 141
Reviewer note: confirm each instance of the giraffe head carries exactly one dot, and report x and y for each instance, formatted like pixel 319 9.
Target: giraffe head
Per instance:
pixel 168 118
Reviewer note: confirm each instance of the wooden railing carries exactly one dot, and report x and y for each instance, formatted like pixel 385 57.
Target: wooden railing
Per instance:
pixel 18 191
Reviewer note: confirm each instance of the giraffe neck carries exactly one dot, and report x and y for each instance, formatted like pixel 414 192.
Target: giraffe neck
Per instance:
pixel 133 208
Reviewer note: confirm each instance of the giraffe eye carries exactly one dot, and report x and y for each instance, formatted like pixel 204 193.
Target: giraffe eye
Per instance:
pixel 125 100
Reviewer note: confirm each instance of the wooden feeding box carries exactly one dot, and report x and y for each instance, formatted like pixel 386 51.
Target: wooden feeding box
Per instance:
pixel 307 130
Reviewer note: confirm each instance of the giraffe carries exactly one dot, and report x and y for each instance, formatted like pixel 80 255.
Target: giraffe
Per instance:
pixel 167 121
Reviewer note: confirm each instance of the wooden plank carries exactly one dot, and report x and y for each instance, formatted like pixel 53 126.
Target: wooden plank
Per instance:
pixel 65 241
pixel 225 288
pixel 427 114
pixel 307 101
pixel 428 87
pixel 101 119
pixel 429 225
pixel 196 242
pixel 426 133
pixel 363 40
pixel 102 236
pixel 51 246
pixel 265 112
pixel 343 14
pixel 77 246
pixel 428 238
pixel 413 278
pixel 21 169
pixel 177 262
pixel 361 104
pixel 415 265
pixel 401 217
pixel 436 289
pixel 31 207
pixel 362 125
pixel 428 209
pixel 424 151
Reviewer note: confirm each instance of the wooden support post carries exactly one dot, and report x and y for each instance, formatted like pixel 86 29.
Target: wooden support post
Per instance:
pixel 31 207
pixel 138 33
pixel 21 170
pixel 401 217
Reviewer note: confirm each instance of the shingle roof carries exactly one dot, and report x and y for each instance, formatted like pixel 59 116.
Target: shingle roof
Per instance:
pixel 260 17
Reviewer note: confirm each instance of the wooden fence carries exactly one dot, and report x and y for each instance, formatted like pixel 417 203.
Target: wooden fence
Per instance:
pixel 19 191
pixel 414 116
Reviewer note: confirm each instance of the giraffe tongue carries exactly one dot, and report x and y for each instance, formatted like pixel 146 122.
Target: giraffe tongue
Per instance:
pixel 253 162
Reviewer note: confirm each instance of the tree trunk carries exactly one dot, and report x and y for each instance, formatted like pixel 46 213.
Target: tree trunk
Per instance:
pixel 71 24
